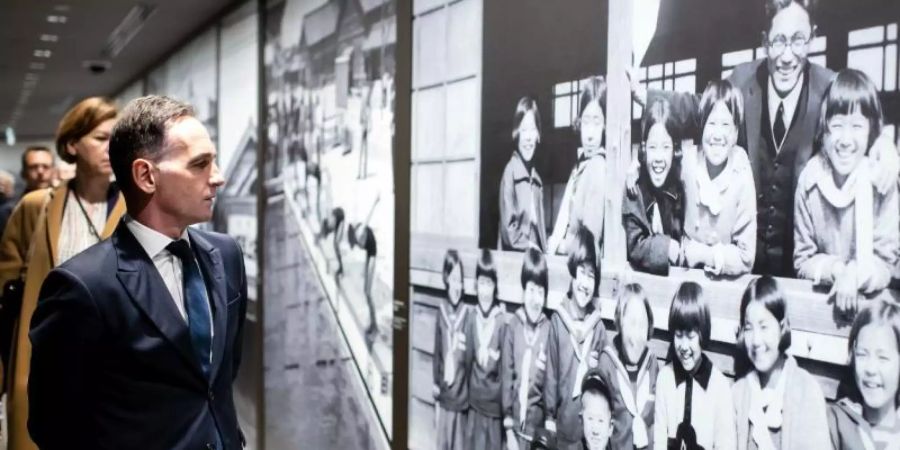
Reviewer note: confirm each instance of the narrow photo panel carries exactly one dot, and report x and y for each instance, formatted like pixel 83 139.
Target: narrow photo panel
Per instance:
pixel 329 77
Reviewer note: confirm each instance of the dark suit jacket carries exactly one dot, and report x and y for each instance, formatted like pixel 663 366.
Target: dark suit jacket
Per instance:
pixel 112 365
pixel 752 79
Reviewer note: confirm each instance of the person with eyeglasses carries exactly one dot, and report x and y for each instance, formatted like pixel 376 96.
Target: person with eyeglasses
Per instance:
pixel 782 94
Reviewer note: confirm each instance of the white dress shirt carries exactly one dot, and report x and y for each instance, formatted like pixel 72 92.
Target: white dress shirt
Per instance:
pixel 790 105
pixel 169 266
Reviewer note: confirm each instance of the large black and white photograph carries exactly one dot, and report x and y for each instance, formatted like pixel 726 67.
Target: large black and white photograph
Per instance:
pixel 655 224
pixel 329 68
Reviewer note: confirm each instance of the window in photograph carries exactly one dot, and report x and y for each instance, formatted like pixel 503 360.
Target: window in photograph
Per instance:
pixel 678 76
pixel 446 117
pixel 565 103
pixel 874 51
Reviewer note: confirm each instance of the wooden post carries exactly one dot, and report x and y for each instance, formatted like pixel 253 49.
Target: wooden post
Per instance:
pixel 618 128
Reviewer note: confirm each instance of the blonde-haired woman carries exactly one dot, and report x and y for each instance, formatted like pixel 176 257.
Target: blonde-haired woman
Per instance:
pixel 49 226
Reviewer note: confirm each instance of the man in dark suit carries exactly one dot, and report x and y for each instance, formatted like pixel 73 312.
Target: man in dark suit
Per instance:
pixel 136 341
pixel 782 104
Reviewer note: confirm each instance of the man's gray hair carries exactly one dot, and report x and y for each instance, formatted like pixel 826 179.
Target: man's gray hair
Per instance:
pixel 140 132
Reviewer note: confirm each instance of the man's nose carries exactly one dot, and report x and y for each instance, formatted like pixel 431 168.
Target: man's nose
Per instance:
pixel 216 178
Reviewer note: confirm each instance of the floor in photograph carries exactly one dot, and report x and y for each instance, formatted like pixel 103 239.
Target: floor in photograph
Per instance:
pixel 313 398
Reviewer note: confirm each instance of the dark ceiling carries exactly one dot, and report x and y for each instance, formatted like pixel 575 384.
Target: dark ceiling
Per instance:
pixel 57 81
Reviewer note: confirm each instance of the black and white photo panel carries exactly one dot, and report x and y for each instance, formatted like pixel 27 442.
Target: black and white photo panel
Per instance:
pixel 655 224
pixel 329 74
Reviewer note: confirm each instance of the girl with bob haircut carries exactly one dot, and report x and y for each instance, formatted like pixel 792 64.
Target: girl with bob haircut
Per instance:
pixel 630 370
pixel 525 356
pixel 577 337
pixel 693 398
pixel 584 199
pixel 49 226
pixel 778 404
pixel 521 189
pixel 452 360
pixel 867 416
pixel 653 212
pixel 485 392
pixel 845 230
pixel 720 207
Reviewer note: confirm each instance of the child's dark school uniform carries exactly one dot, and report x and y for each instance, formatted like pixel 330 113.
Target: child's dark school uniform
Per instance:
pixel 653 217
pixel 451 365
pixel 633 395
pixel 485 393
pixel 521 207
pixel 569 350
pixel 524 359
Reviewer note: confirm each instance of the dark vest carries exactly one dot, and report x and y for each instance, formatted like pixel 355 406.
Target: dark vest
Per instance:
pixel 775 175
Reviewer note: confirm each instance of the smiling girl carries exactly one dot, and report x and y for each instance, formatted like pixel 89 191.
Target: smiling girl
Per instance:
pixel 778 404
pixel 693 398
pixel 653 216
pixel 577 336
pixel 524 356
pixel 485 423
pixel 584 199
pixel 868 418
pixel 845 230
pixel 521 189
pixel 630 369
pixel 452 359
pixel 720 207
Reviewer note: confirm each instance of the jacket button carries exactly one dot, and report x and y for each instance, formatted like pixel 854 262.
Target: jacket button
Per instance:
pixel 211 395
pixel 210 447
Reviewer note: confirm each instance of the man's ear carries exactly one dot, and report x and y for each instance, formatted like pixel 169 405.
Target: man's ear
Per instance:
pixel 764 40
pixel 143 175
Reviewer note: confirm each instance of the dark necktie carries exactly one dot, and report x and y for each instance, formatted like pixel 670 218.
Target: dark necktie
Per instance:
pixel 195 302
pixel 778 128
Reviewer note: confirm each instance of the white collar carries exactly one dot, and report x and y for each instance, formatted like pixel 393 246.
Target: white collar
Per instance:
pixel 152 241
pixel 790 102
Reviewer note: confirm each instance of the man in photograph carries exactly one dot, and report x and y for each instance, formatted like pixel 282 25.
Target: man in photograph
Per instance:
pixel 782 96
pixel 136 340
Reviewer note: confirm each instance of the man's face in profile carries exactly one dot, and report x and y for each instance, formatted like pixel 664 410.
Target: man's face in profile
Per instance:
pixel 38 170
pixel 787 47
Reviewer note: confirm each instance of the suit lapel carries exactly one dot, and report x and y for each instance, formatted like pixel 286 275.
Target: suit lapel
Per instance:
pixel 210 260
pixel 753 114
pixel 142 280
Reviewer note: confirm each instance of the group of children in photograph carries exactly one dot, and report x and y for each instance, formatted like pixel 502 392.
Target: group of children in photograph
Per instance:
pixel 782 170
pixel 534 379
pixel 696 206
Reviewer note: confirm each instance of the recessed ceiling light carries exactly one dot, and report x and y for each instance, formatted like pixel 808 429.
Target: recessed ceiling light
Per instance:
pixel 57 18
pixel 49 38
pixel 37 66
pixel 42 53
pixel 62 8
pixel 31 76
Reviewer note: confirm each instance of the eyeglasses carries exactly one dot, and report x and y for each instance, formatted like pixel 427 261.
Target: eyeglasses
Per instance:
pixel 798 43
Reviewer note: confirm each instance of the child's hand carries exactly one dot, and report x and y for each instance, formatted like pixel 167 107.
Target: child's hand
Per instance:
pixel 541 363
pixel 885 164
pixel 461 343
pixel 674 252
pixel 511 442
pixel 435 391
pixel 594 359
pixel 631 177
pixel 846 290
